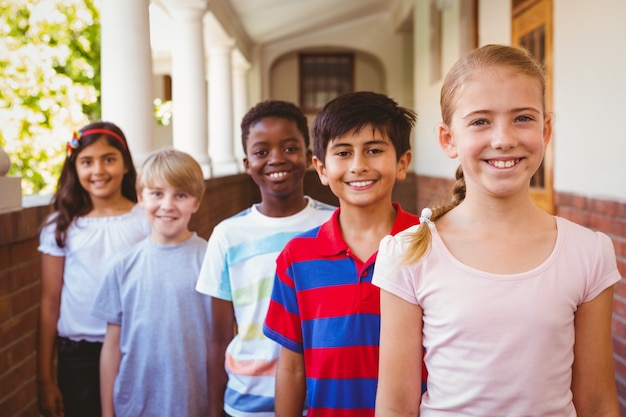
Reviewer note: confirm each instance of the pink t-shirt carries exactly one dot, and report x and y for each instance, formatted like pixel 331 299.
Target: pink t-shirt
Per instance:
pixel 499 345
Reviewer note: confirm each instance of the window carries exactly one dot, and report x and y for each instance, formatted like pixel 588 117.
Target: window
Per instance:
pixel 324 77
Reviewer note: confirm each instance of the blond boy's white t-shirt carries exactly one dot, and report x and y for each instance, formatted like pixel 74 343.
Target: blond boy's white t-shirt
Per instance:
pixel 499 345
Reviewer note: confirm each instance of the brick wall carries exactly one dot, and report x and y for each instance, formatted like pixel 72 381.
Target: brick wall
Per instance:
pixel 19 303
pixel 20 275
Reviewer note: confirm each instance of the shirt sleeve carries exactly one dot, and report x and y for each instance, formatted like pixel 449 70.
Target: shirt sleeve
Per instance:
pixel 214 276
pixel 48 243
pixel 282 323
pixel 389 272
pixel 604 272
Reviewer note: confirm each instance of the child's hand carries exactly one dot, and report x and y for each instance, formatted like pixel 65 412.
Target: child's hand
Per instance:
pixel 50 399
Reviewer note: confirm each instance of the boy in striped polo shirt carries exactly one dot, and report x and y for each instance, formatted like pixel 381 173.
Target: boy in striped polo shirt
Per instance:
pixel 324 310
pixel 238 268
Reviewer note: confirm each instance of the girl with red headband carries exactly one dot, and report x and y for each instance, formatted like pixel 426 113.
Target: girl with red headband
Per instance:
pixel 95 218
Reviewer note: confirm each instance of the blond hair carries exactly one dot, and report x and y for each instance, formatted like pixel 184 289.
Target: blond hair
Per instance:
pixel 515 58
pixel 176 168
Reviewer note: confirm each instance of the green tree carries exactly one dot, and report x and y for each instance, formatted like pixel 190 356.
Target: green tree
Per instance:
pixel 49 83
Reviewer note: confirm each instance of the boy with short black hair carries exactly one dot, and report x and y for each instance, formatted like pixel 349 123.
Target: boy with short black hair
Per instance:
pixel 238 270
pixel 324 311
pixel 154 356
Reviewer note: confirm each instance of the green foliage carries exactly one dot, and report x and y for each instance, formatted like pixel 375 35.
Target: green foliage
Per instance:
pixel 49 83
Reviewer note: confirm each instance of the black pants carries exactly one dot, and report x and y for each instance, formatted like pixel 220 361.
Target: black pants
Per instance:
pixel 79 377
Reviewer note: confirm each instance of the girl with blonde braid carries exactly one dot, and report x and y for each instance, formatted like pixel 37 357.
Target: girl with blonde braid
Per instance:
pixel 512 305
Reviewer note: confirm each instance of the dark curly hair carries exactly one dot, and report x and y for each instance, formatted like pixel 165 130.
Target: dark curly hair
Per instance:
pixel 356 110
pixel 70 199
pixel 274 108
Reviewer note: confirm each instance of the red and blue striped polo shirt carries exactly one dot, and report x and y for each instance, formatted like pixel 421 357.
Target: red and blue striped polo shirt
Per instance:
pixel 324 306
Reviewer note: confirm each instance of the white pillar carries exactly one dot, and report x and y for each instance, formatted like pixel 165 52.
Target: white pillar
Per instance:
pixel 240 104
pixel 221 110
pixel 189 96
pixel 126 68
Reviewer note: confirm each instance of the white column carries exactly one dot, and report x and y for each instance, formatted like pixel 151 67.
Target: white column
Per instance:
pixel 189 97
pixel 221 110
pixel 240 104
pixel 126 71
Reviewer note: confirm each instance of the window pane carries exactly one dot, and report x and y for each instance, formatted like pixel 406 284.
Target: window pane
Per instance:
pixel 324 77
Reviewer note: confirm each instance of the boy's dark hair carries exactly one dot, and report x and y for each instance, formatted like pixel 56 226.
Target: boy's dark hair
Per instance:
pixel 354 111
pixel 274 108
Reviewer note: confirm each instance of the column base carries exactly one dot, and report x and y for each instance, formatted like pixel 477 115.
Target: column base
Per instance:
pixel 11 192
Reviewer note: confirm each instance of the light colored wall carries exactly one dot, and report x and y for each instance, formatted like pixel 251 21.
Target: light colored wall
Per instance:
pixel 590 98
pixel 374 36
pixel 589 90
pixel 284 79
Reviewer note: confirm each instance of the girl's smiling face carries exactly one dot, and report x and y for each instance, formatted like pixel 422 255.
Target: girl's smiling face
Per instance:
pixel 100 169
pixel 498 131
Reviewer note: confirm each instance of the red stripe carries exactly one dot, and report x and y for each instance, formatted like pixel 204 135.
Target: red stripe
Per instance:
pixel 340 300
pixel 340 412
pixel 341 363
pixel 283 322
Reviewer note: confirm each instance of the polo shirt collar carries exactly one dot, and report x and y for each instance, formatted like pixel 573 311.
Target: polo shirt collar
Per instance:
pixel 331 239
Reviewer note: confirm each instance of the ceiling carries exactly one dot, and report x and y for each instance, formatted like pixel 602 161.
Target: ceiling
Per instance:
pixel 272 20
pixel 261 22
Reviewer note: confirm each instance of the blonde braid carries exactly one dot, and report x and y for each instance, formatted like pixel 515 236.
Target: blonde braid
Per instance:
pixel 419 243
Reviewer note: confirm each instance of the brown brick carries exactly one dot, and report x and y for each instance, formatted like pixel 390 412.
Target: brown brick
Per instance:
pixel 600 223
pixel 25 299
pixel 620 366
pixel 18 326
pixel 619 307
pixel 571 200
pixel 5 256
pixel 619 349
pixel 606 207
pixel 5 282
pixel 23 252
pixel 577 216
pixel 620 290
pixel 619 244
pixel 5 309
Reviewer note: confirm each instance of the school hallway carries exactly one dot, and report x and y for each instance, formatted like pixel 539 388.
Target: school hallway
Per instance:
pixel 216 59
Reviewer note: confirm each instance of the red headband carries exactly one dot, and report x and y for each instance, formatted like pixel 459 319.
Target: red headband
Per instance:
pixel 75 142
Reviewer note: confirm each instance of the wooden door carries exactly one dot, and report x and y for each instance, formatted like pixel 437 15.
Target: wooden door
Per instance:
pixel 532 29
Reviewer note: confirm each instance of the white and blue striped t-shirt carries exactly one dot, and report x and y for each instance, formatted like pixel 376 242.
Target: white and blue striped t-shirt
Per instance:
pixel 239 266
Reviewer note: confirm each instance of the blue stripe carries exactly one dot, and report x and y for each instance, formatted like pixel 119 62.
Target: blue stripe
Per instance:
pixel 353 330
pixel 248 402
pixel 284 295
pixel 224 289
pixel 342 393
pixel 310 233
pixel 323 273
pixel 251 248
